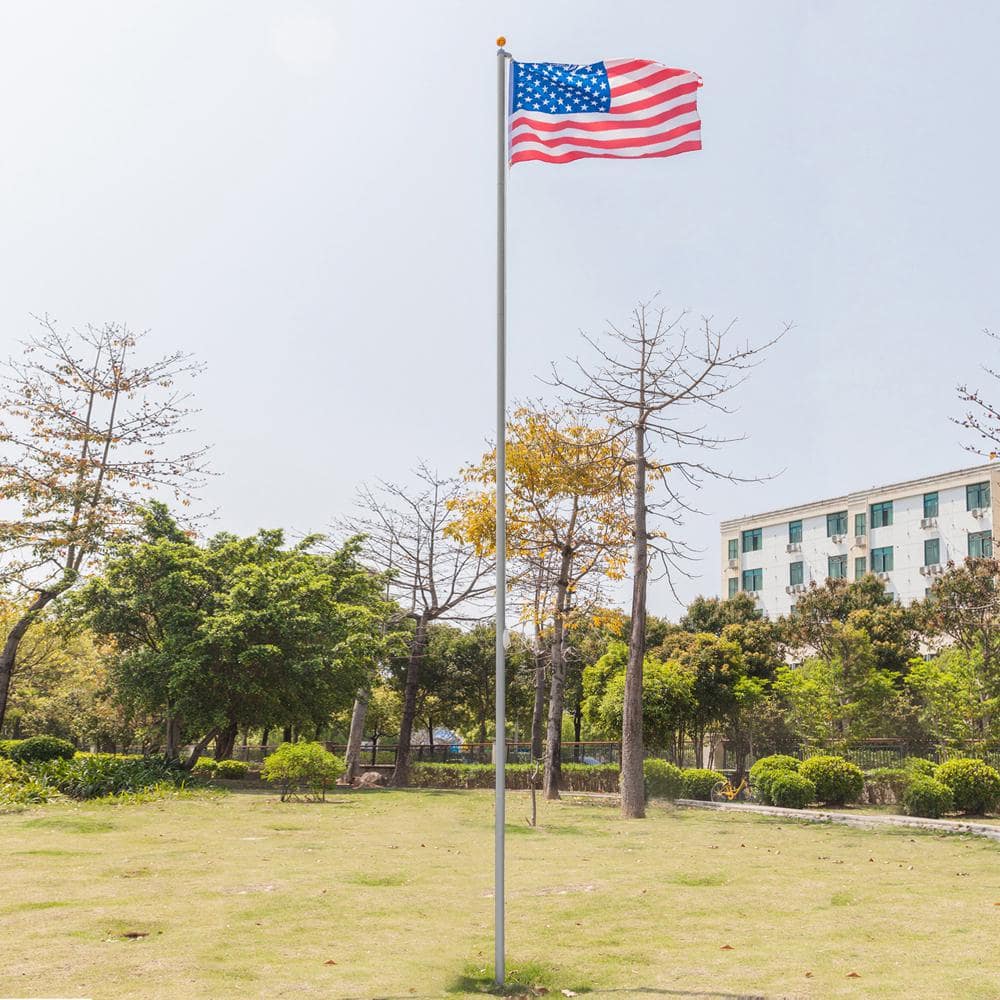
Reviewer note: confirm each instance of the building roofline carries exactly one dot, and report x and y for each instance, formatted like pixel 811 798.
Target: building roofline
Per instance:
pixel 822 506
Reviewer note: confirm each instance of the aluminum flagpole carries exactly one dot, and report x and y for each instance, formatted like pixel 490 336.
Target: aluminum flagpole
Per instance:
pixel 500 737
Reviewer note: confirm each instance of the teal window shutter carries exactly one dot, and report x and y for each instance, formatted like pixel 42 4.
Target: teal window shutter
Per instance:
pixel 794 573
pixel 836 524
pixel 981 545
pixel 734 586
pixel 882 514
pixel 930 505
pixel 932 551
pixel 977 495
pixel 882 560
pixel 860 567
pixel 794 531
pixel 734 548
pixel 859 524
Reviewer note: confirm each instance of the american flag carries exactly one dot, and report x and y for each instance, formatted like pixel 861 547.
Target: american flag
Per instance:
pixel 621 108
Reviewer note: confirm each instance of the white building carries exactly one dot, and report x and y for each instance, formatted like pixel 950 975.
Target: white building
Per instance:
pixel 906 533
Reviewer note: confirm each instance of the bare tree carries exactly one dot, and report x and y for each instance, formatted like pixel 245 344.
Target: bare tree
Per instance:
pixel 655 384
pixel 83 429
pixel 409 533
pixel 981 417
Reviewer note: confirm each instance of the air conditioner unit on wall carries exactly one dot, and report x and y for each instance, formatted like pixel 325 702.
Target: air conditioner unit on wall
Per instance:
pixel 928 522
pixel 882 576
pixel 734 563
pixel 837 539
pixel 793 547
pixel 978 512
pixel 860 541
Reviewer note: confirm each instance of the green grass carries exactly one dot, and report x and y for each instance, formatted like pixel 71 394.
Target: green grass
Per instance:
pixel 388 894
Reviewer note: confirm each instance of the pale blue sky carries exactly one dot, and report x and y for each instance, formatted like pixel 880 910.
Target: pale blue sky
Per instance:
pixel 303 195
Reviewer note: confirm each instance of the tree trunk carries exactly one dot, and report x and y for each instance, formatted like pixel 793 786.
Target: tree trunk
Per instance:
pixel 356 734
pixel 199 748
pixel 538 712
pixel 286 734
pixel 553 749
pixel 8 656
pixel 577 728
pixel 632 783
pixel 173 733
pixel 226 740
pixel 401 772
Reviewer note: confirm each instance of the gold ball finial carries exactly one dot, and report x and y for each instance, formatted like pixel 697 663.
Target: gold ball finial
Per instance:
pixel 501 42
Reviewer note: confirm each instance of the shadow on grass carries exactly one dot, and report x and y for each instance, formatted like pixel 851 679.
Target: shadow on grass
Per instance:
pixel 523 979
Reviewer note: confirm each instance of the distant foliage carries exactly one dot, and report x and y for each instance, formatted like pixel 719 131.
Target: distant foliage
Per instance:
pixel 699 782
pixel 90 776
pixel 231 769
pixel 40 748
pixel 791 790
pixel 765 770
pixel 575 777
pixel 306 769
pixel 927 797
pixel 663 779
pixel 919 766
pixel 974 784
pixel 886 785
pixel 837 781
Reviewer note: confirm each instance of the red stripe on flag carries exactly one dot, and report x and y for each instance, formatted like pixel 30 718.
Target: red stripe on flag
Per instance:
pixel 606 123
pixel 645 140
pixel 651 102
pixel 620 89
pixel 533 154
pixel 628 66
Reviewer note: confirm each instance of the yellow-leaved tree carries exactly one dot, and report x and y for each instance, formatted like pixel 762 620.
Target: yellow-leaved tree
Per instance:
pixel 568 526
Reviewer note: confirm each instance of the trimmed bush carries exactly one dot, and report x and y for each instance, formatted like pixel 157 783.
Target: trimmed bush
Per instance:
pixel 919 765
pixel 231 769
pixel 91 775
pixel 791 791
pixel 7 747
pixel 308 768
pixel 765 770
pixel 663 779
pixel 927 797
pixel 205 766
pixel 837 781
pixel 699 782
pixel 40 748
pixel 575 777
pixel 884 786
pixel 974 784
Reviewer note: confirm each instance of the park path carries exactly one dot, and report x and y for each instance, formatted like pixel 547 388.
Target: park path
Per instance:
pixel 861 820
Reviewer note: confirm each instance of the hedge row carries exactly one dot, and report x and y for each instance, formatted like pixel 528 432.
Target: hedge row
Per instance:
pixel 575 777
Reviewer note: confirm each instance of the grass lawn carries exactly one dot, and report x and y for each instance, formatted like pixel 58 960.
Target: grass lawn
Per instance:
pixel 387 894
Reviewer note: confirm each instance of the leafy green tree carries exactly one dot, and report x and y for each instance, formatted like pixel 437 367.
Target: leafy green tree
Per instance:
pixel 840 696
pixel 712 614
pixel 241 632
pixel 951 702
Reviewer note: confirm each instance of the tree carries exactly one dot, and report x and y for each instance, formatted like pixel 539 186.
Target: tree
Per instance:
pixel 84 440
pixel 711 614
pixel 565 513
pixel 655 385
pixel 964 606
pixel 433 575
pixel 841 696
pixel 981 416
pixel 951 702
pixel 239 632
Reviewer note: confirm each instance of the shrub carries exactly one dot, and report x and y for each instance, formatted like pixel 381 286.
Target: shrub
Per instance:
pixel 10 773
pixel 89 776
pixel 302 767
pixel 205 766
pixel 7 747
pixel 575 777
pixel 974 784
pixel 927 797
pixel 698 782
pixel 231 768
pixel 29 792
pixel 663 779
pixel 919 765
pixel 885 785
pixel 765 770
pixel 837 781
pixel 791 790
pixel 40 748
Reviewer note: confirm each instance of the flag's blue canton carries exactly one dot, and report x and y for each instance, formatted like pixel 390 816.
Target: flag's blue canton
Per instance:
pixel 557 88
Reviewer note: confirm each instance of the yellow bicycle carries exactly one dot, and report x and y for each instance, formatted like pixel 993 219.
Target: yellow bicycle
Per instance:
pixel 726 791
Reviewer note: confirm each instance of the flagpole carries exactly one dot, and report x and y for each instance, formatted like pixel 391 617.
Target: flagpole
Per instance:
pixel 500 737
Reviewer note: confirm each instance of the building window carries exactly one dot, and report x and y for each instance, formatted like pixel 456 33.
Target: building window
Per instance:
pixel 752 540
pixel 882 560
pixel 794 532
pixel 932 551
pixel 734 548
pixel 794 573
pixel 859 523
pixel 734 585
pixel 836 524
pixel 977 495
pixel 753 579
pixel 837 567
pixel 860 567
pixel 980 544
pixel 881 514
pixel 930 505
